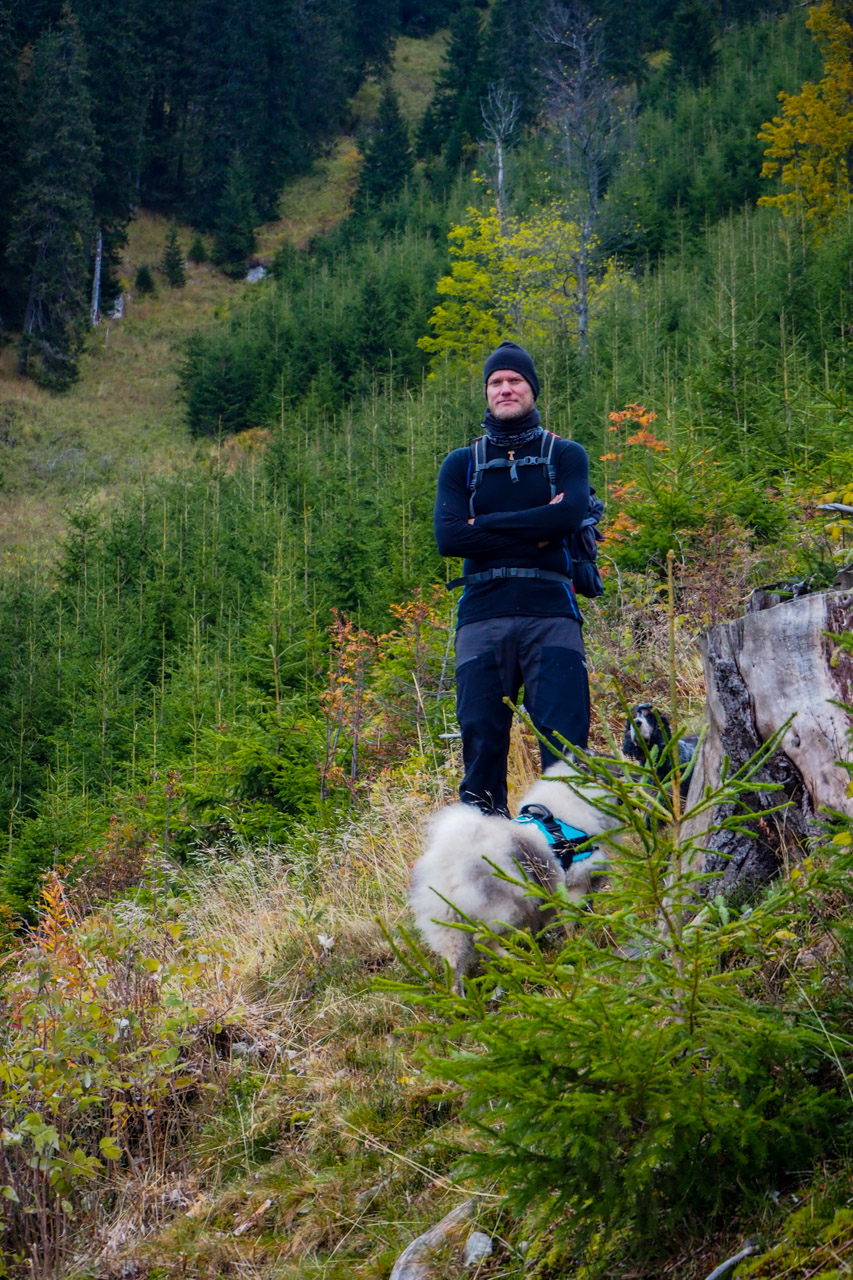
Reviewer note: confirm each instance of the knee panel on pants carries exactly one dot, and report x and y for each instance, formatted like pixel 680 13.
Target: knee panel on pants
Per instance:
pixel 480 694
pixel 557 700
pixel 485 721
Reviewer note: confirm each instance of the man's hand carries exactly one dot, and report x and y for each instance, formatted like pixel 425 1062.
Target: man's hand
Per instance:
pixel 558 497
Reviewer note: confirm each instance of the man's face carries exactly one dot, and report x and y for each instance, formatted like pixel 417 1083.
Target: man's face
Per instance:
pixel 508 395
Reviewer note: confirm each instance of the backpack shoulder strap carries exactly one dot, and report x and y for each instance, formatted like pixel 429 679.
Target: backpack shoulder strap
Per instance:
pixel 550 439
pixel 476 466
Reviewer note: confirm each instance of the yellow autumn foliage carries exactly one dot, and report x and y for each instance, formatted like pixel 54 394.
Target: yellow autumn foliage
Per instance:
pixel 809 144
pixel 513 281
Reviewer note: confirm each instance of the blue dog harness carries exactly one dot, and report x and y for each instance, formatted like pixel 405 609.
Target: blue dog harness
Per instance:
pixel 564 839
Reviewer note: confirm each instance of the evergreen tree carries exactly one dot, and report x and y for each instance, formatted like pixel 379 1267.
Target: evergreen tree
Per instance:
pixel 222 104
pixel 178 85
pixel 325 77
pixel 11 146
pixel 512 48
pixel 33 19
pixel 172 262
pixel 118 67
pixel 731 11
pixel 375 330
pixel 628 32
pixel 422 17
pixel 387 156
pixel 374 25
pixel 691 41
pixel 234 230
pixel 197 251
pixel 270 77
pixel 53 232
pixel 452 121
pixel 144 279
pixel 165 37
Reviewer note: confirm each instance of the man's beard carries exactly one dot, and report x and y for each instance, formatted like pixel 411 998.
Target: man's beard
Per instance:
pixel 510 413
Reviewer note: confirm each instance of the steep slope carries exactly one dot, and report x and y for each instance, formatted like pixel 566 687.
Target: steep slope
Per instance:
pixel 123 419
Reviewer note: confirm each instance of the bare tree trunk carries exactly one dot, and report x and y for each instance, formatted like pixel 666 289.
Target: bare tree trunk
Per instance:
pixel 582 260
pixel 95 310
pixel 591 113
pixel 761 670
pixel 501 110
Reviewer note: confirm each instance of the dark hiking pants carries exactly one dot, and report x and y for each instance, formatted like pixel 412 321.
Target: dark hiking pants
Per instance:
pixel 494 658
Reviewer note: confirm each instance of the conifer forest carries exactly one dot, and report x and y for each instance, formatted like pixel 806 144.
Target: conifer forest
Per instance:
pixel 252 258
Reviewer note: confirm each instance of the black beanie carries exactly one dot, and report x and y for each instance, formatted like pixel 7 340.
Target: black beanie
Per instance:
pixel 509 355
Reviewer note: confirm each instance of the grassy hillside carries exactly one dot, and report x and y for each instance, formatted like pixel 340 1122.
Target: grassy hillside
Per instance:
pixel 123 419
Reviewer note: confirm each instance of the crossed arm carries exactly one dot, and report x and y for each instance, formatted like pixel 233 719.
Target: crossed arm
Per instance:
pixel 522 532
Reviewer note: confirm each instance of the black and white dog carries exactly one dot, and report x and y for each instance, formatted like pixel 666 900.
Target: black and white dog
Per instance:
pixel 454 878
pixel 647 736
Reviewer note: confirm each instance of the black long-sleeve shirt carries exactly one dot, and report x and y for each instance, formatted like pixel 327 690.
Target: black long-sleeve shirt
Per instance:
pixel 510 520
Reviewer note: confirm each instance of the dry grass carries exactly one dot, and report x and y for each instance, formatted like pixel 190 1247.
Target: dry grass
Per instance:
pixel 329 1147
pixel 416 65
pixel 315 203
pixel 320 895
pixel 122 420
pixel 321 1156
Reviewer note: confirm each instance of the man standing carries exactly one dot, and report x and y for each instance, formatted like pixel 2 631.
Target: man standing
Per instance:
pixel 518 620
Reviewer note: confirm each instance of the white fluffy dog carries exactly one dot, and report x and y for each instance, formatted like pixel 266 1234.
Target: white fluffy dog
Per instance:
pixel 465 847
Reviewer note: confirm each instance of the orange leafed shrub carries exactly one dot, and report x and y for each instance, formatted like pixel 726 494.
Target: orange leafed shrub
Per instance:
pixel 633 412
pixel 646 438
pixel 101 1052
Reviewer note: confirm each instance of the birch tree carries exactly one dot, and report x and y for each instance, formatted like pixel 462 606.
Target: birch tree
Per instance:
pixel 501 110
pixel 591 113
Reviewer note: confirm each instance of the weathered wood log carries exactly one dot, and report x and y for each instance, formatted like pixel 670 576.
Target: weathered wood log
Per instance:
pixel 416 1261
pixel 760 670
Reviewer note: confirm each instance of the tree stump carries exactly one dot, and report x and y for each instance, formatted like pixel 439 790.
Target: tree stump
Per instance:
pixel 760 670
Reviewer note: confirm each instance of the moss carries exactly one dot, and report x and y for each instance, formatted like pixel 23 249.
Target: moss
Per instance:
pixel 811 1247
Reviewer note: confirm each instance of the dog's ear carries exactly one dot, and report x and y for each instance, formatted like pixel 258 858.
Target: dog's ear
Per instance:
pixel 662 723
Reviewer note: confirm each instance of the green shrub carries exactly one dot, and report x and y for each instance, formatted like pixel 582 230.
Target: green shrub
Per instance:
pixel 144 281
pixel 172 264
pixel 100 1062
pixel 197 251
